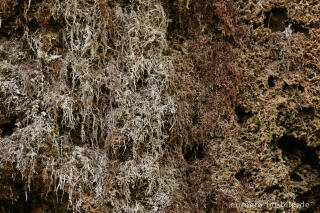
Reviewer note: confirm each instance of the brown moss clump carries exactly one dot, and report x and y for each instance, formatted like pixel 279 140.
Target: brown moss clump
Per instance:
pixel 277 105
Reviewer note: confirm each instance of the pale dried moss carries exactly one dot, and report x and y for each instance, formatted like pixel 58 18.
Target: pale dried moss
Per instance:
pixel 108 90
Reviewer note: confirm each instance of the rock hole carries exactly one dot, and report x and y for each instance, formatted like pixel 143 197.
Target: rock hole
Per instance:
pixel 281 106
pixel 20 31
pixel 301 88
pixel 273 188
pixel 295 177
pixel 285 87
pixel 242 114
pixel 298 28
pixel 55 25
pixel 271 81
pixel 244 177
pixel 33 25
pixel 307 110
pixel 7 127
pixel 76 136
pixel 193 153
pixel 295 149
pixel 255 25
pixel 276 19
pixel 9 28
pixel 240 174
pixel 127 2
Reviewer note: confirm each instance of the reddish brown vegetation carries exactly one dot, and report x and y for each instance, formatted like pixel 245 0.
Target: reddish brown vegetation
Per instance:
pixel 207 33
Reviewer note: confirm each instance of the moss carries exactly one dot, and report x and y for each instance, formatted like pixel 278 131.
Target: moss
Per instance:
pixel 169 106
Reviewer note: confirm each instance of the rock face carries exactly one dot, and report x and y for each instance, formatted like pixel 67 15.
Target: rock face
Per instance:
pixel 168 106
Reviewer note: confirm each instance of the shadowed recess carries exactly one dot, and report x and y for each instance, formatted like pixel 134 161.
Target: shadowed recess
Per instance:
pixel 276 19
pixel 7 126
pixel 295 149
